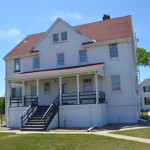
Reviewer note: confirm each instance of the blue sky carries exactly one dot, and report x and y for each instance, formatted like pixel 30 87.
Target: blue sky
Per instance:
pixel 20 18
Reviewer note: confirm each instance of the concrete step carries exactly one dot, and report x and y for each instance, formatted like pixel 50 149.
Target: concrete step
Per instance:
pixel 32 129
pixel 34 126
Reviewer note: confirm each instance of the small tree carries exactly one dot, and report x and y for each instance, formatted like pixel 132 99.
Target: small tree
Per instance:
pixel 143 57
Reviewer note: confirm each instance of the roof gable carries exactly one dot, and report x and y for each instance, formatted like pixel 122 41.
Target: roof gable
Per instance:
pixel 99 31
pixel 65 23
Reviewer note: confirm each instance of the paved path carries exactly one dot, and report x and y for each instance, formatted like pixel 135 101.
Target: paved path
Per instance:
pixel 103 133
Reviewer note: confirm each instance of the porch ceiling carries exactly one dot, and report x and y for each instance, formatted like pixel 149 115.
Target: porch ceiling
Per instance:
pixel 99 68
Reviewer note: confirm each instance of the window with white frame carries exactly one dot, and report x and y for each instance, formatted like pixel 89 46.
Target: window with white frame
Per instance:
pixel 17 65
pixel 36 63
pixel 63 36
pixel 60 59
pixel 47 87
pixel 147 100
pixel 83 56
pixel 16 92
pixel 88 85
pixel 146 88
pixel 55 38
pixel 115 82
pixel 113 50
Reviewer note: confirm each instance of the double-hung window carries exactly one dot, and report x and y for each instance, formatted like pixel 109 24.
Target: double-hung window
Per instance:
pixel 146 88
pixel 17 65
pixel 115 81
pixel 83 56
pixel 113 50
pixel 63 36
pixel 36 63
pixel 60 59
pixel 55 38
pixel 47 87
pixel 17 92
pixel 147 100
pixel 88 85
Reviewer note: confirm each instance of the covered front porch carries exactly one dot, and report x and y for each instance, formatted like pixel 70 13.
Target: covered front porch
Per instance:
pixel 73 86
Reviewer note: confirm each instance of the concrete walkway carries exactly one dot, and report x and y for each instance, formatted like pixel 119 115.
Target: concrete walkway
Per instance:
pixel 96 132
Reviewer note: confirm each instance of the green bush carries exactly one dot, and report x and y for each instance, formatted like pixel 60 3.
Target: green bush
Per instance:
pixel 2 104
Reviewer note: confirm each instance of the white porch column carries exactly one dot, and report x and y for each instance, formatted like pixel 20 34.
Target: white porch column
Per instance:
pixel 60 90
pixel 8 93
pixel 37 87
pixel 23 91
pixel 78 89
pixel 96 87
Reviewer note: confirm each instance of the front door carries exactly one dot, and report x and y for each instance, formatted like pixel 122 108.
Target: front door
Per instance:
pixel 64 88
pixel 33 90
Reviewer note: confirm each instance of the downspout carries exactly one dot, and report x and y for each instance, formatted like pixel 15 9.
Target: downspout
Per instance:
pixel 132 78
pixel 97 110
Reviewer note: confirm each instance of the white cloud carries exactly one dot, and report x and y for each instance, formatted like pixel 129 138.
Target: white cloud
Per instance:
pixel 66 15
pixel 9 34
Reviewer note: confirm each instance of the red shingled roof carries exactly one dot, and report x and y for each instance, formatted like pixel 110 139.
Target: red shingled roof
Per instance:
pixel 57 71
pixel 100 31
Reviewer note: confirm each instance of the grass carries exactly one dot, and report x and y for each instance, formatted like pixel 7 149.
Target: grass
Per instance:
pixel 10 141
pixel 142 133
pixel 144 112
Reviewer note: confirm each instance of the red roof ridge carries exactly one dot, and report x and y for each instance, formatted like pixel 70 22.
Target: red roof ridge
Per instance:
pixel 102 20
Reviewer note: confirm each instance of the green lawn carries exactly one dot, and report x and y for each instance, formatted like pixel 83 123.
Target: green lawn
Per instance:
pixel 66 142
pixel 144 112
pixel 142 133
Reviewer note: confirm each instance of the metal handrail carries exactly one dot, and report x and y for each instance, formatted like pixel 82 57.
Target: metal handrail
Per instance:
pixel 47 110
pixel 51 111
pixel 25 115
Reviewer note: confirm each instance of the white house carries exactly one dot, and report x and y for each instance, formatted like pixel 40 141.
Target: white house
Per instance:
pixel 73 76
pixel 145 94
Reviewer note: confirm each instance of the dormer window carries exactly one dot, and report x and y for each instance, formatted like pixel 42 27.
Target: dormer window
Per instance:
pixel 55 38
pixel 17 65
pixel 63 36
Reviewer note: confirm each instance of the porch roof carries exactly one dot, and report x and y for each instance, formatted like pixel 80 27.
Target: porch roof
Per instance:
pixel 99 67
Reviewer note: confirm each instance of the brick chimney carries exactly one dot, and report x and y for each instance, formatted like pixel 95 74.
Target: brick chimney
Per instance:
pixel 105 17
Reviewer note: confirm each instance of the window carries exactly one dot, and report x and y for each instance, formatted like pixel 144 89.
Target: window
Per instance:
pixel 63 36
pixel 88 85
pixel 147 100
pixel 60 59
pixel 33 90
pixel 83 56
pixel 17 65
pixel 55 38
pixel 115 81
pixel 17 92
pixel 113 50
pixel 47 87
pixel 146 88
pixel 36 63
